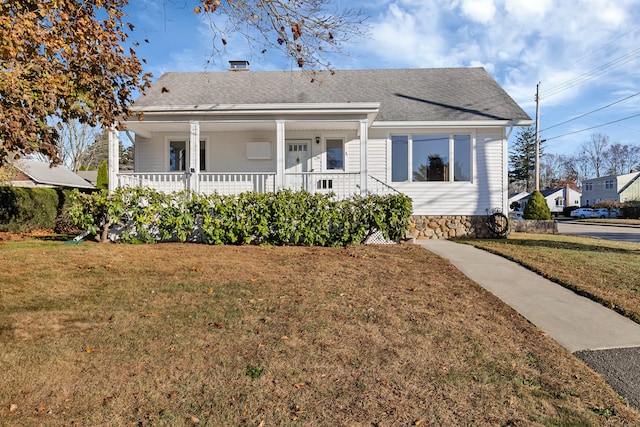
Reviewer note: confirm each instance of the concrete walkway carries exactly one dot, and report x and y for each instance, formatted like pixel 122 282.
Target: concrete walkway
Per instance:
pixel 575 322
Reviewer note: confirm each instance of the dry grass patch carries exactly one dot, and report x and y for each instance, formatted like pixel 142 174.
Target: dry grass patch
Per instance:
pixel 173 334
pixel 606 271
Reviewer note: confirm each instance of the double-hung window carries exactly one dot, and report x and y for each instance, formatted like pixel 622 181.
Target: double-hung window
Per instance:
pixel 430 157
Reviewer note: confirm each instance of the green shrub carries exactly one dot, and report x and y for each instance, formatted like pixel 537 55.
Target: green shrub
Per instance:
pixel 280 218
pixel 630 209
pixel 536 207
pixel 102 182
pixel 27 209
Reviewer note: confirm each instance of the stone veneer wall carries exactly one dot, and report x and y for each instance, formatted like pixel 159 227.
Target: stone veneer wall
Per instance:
pixel 449 227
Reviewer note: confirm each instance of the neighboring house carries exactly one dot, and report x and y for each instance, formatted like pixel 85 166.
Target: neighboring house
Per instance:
pixel 619 188
pixel 556 199
pixel 518 197
pixel 89 176
pixel 34 173
pixel 436 135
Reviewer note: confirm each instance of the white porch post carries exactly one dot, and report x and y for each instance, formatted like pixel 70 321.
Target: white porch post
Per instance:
pixel 364 173
pixel 280 159
pixel 194 155
pixel 114 159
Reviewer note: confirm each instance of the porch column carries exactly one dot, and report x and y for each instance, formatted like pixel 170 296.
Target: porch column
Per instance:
pixel 364 172
pixel 280 165
pixel 194 156
pixel 114 159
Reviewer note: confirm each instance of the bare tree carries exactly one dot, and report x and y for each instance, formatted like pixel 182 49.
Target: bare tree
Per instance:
pixel 621 158
pixel 76 140
pixel 593 153
pixel 556 169
pixel 304 30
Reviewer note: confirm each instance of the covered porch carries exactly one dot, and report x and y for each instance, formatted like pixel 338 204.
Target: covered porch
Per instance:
pixel 320 148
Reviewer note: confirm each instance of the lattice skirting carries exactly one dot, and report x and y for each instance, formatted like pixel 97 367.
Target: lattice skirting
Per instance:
pixel 378 239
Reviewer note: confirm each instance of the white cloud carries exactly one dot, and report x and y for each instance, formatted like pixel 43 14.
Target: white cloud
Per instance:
pixel 481 11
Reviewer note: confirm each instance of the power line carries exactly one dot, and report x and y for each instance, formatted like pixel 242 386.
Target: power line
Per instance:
pixel 591 112
pixel 618 62
pixel 592 127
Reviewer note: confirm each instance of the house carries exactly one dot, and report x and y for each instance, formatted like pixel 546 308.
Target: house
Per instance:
pixel 619 188
pixel 436 135
pixel 556 199
pixel 34 173
pixel 521 198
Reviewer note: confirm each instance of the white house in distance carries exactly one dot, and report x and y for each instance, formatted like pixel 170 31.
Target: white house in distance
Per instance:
pixel 556 198
pixel 437 135
pixel 619 188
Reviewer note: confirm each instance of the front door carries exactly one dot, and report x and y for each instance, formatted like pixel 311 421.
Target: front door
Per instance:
pixel 297 163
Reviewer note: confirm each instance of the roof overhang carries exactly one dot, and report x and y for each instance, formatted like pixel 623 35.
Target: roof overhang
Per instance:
pixel 260 109
pixel 450 124
pixel 252 116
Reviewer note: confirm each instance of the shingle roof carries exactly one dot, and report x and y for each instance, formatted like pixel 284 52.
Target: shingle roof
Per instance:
pixel 58 176
pixel 437 94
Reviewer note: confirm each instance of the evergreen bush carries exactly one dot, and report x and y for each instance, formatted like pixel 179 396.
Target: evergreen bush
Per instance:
pixel 28 209
pixel 536 207
pixel 102 182
pixel 279 218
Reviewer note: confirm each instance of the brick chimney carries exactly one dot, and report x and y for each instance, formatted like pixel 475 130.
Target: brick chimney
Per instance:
pixel 238 65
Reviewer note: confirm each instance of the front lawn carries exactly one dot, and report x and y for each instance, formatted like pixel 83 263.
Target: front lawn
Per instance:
pixel 606 271
pixel 177 334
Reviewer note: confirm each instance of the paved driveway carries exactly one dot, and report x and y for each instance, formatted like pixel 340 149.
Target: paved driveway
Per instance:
pixel 608 232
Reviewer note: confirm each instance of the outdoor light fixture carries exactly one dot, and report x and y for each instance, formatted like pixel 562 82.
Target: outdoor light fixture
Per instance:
pixel 317 140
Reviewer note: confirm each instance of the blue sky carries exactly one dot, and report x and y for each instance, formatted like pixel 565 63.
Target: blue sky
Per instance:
pixel 585 53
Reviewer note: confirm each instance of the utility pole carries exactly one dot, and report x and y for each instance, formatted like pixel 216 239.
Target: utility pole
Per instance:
pixel 538 137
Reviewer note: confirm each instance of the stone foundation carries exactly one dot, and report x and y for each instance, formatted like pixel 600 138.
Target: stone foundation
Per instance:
pixel 471 226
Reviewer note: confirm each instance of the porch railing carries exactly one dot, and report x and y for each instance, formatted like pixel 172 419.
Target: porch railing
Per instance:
pixel 166 182
pixel 343 184
pixel 236 183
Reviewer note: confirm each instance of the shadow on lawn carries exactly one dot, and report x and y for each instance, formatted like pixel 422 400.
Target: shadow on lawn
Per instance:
pixel 572 246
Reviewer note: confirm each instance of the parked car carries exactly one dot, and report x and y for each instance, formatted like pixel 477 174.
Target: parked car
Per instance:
pixel 604 213
pixel 582 213
pixel 516 215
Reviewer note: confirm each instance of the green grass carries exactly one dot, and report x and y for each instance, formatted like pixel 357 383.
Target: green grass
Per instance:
pixel 605 271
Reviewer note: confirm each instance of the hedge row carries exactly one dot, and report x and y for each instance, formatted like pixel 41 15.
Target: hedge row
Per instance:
pixel 279 218
pixel 28 209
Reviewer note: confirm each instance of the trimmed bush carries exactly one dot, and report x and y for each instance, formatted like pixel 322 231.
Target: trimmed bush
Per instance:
pixel 28 209
pixel 631 209
pixel 280 218
pixel 536 207
pixel 102 182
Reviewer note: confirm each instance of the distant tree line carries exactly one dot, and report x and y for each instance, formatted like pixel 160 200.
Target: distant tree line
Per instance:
pixel 594 158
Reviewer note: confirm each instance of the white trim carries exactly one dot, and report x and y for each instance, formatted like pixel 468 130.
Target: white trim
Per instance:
pixel 449 124
pixel 294 108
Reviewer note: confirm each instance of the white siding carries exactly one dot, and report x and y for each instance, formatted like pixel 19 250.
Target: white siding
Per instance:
pixel 486 191
pixel 227 151
pixel 149 154
pixel 377 159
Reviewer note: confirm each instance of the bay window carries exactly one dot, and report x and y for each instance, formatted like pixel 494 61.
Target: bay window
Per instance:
pixel 430 158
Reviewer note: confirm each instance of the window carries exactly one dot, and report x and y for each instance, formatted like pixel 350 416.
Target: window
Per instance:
pixel 335 154
pixel 462 158
pixel 177 155
pixel 203 156
pixel 588 186
pixel 432 157
pixel 399 158
pixel 608 184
